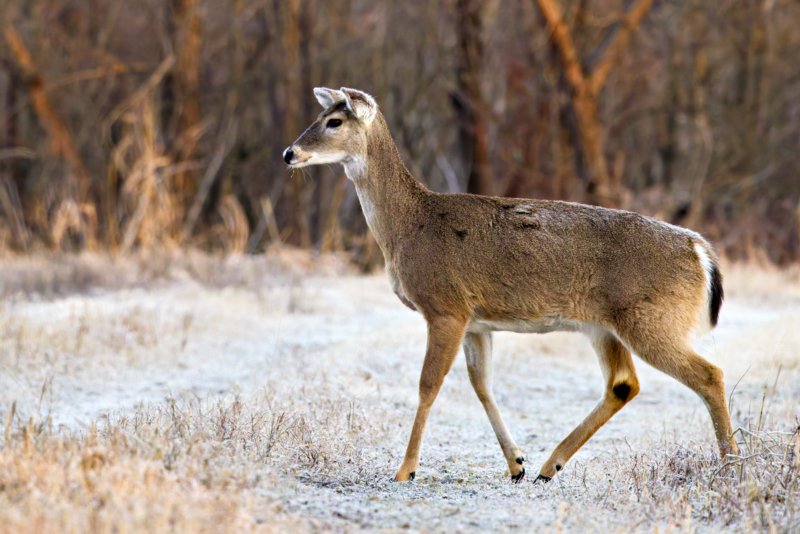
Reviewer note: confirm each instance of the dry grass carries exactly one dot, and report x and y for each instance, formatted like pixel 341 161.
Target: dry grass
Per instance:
pixel 308 450
pixel 221 464
pixel 189 465
pixel 679 484
pixel 51 276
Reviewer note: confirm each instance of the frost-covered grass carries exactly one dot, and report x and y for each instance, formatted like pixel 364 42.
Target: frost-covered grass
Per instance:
pixel 228 464
pixel 275 395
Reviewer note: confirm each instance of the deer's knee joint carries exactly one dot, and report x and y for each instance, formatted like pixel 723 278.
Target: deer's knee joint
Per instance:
pixel 715 375
pixel 712 377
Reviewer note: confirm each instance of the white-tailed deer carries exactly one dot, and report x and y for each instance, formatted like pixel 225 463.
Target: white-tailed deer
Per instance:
pixel 472 265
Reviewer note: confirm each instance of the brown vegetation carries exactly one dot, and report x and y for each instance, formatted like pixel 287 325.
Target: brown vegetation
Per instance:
pixel 217 465
pixel 142 124
pixel 150 394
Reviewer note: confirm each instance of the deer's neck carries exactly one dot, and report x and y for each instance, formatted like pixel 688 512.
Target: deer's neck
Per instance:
pixel 389 195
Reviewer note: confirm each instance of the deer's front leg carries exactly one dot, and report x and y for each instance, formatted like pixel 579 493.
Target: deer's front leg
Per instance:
pixel 444 339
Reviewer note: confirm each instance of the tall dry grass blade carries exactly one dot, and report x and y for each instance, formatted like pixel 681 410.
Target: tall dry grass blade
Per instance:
pixel 761 409
pixel 47 378
pixel 234 220
pixel 266 223
pixel 11 414
pixel 67 218
pixel 145 169
pixel 774 387
pixel 132 228
pixel 269 216
pixel 26 436
pixel 9 202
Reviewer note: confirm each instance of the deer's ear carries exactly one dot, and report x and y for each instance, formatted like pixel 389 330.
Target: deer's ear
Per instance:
pixel 361 104
pixel 328 97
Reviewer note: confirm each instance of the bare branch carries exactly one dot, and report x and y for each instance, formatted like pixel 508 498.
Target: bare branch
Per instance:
pixel 628 25
pixel 155 78
pixel 561 37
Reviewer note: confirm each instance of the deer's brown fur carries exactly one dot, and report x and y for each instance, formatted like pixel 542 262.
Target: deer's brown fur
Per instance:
pixel 472 265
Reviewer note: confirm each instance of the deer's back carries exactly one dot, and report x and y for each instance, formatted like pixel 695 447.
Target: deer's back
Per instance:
pixel 502 258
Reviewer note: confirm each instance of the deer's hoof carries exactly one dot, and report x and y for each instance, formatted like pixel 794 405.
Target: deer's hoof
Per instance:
pixel 410 478
pixel 516 479
pixel 543 479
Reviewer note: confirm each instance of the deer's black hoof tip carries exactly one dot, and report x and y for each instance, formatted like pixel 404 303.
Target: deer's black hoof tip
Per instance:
pixel 543 479
pixel 411 476
pixel 516 479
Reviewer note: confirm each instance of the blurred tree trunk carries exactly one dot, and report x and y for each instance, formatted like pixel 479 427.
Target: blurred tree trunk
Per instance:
pixel 668 126
pixel 292 42
pixel 797 216
pixel 61 143
pixel 706 144
pixel 469 101
pixel 313 193
pixel 10 204
pixel 228 199
pixel 187 41
pixel 766 50
pixel 6 102
pixel 603 188
pixel 76 195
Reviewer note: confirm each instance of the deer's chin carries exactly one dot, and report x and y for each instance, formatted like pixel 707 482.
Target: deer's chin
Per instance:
pixel 320 159
pixel 300 164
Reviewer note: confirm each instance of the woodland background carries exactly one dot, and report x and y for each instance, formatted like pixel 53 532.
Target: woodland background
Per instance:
pixel 151 124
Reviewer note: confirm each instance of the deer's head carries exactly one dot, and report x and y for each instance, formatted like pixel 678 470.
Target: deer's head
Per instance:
pixel 340 132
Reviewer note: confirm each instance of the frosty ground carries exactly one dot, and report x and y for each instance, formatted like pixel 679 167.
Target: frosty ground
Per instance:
pixel 285 388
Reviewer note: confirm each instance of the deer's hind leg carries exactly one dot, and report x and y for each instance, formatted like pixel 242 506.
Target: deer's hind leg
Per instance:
pixel 670 355
pixel 621 386
pixel 478 350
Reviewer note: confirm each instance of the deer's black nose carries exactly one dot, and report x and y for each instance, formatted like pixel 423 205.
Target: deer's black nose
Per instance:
pixel 288 154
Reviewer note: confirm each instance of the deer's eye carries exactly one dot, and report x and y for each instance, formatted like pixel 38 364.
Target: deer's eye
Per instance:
pixel 334 123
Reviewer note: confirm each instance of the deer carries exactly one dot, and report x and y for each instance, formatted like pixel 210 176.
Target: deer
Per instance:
pixel 473 265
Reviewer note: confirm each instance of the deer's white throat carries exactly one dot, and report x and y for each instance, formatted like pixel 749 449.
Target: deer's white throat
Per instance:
pixel 355 167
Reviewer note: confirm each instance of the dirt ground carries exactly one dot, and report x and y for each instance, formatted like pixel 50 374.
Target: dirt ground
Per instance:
pixel 338 350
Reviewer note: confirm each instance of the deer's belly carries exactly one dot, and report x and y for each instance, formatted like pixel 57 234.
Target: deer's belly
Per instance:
pixel 553 323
